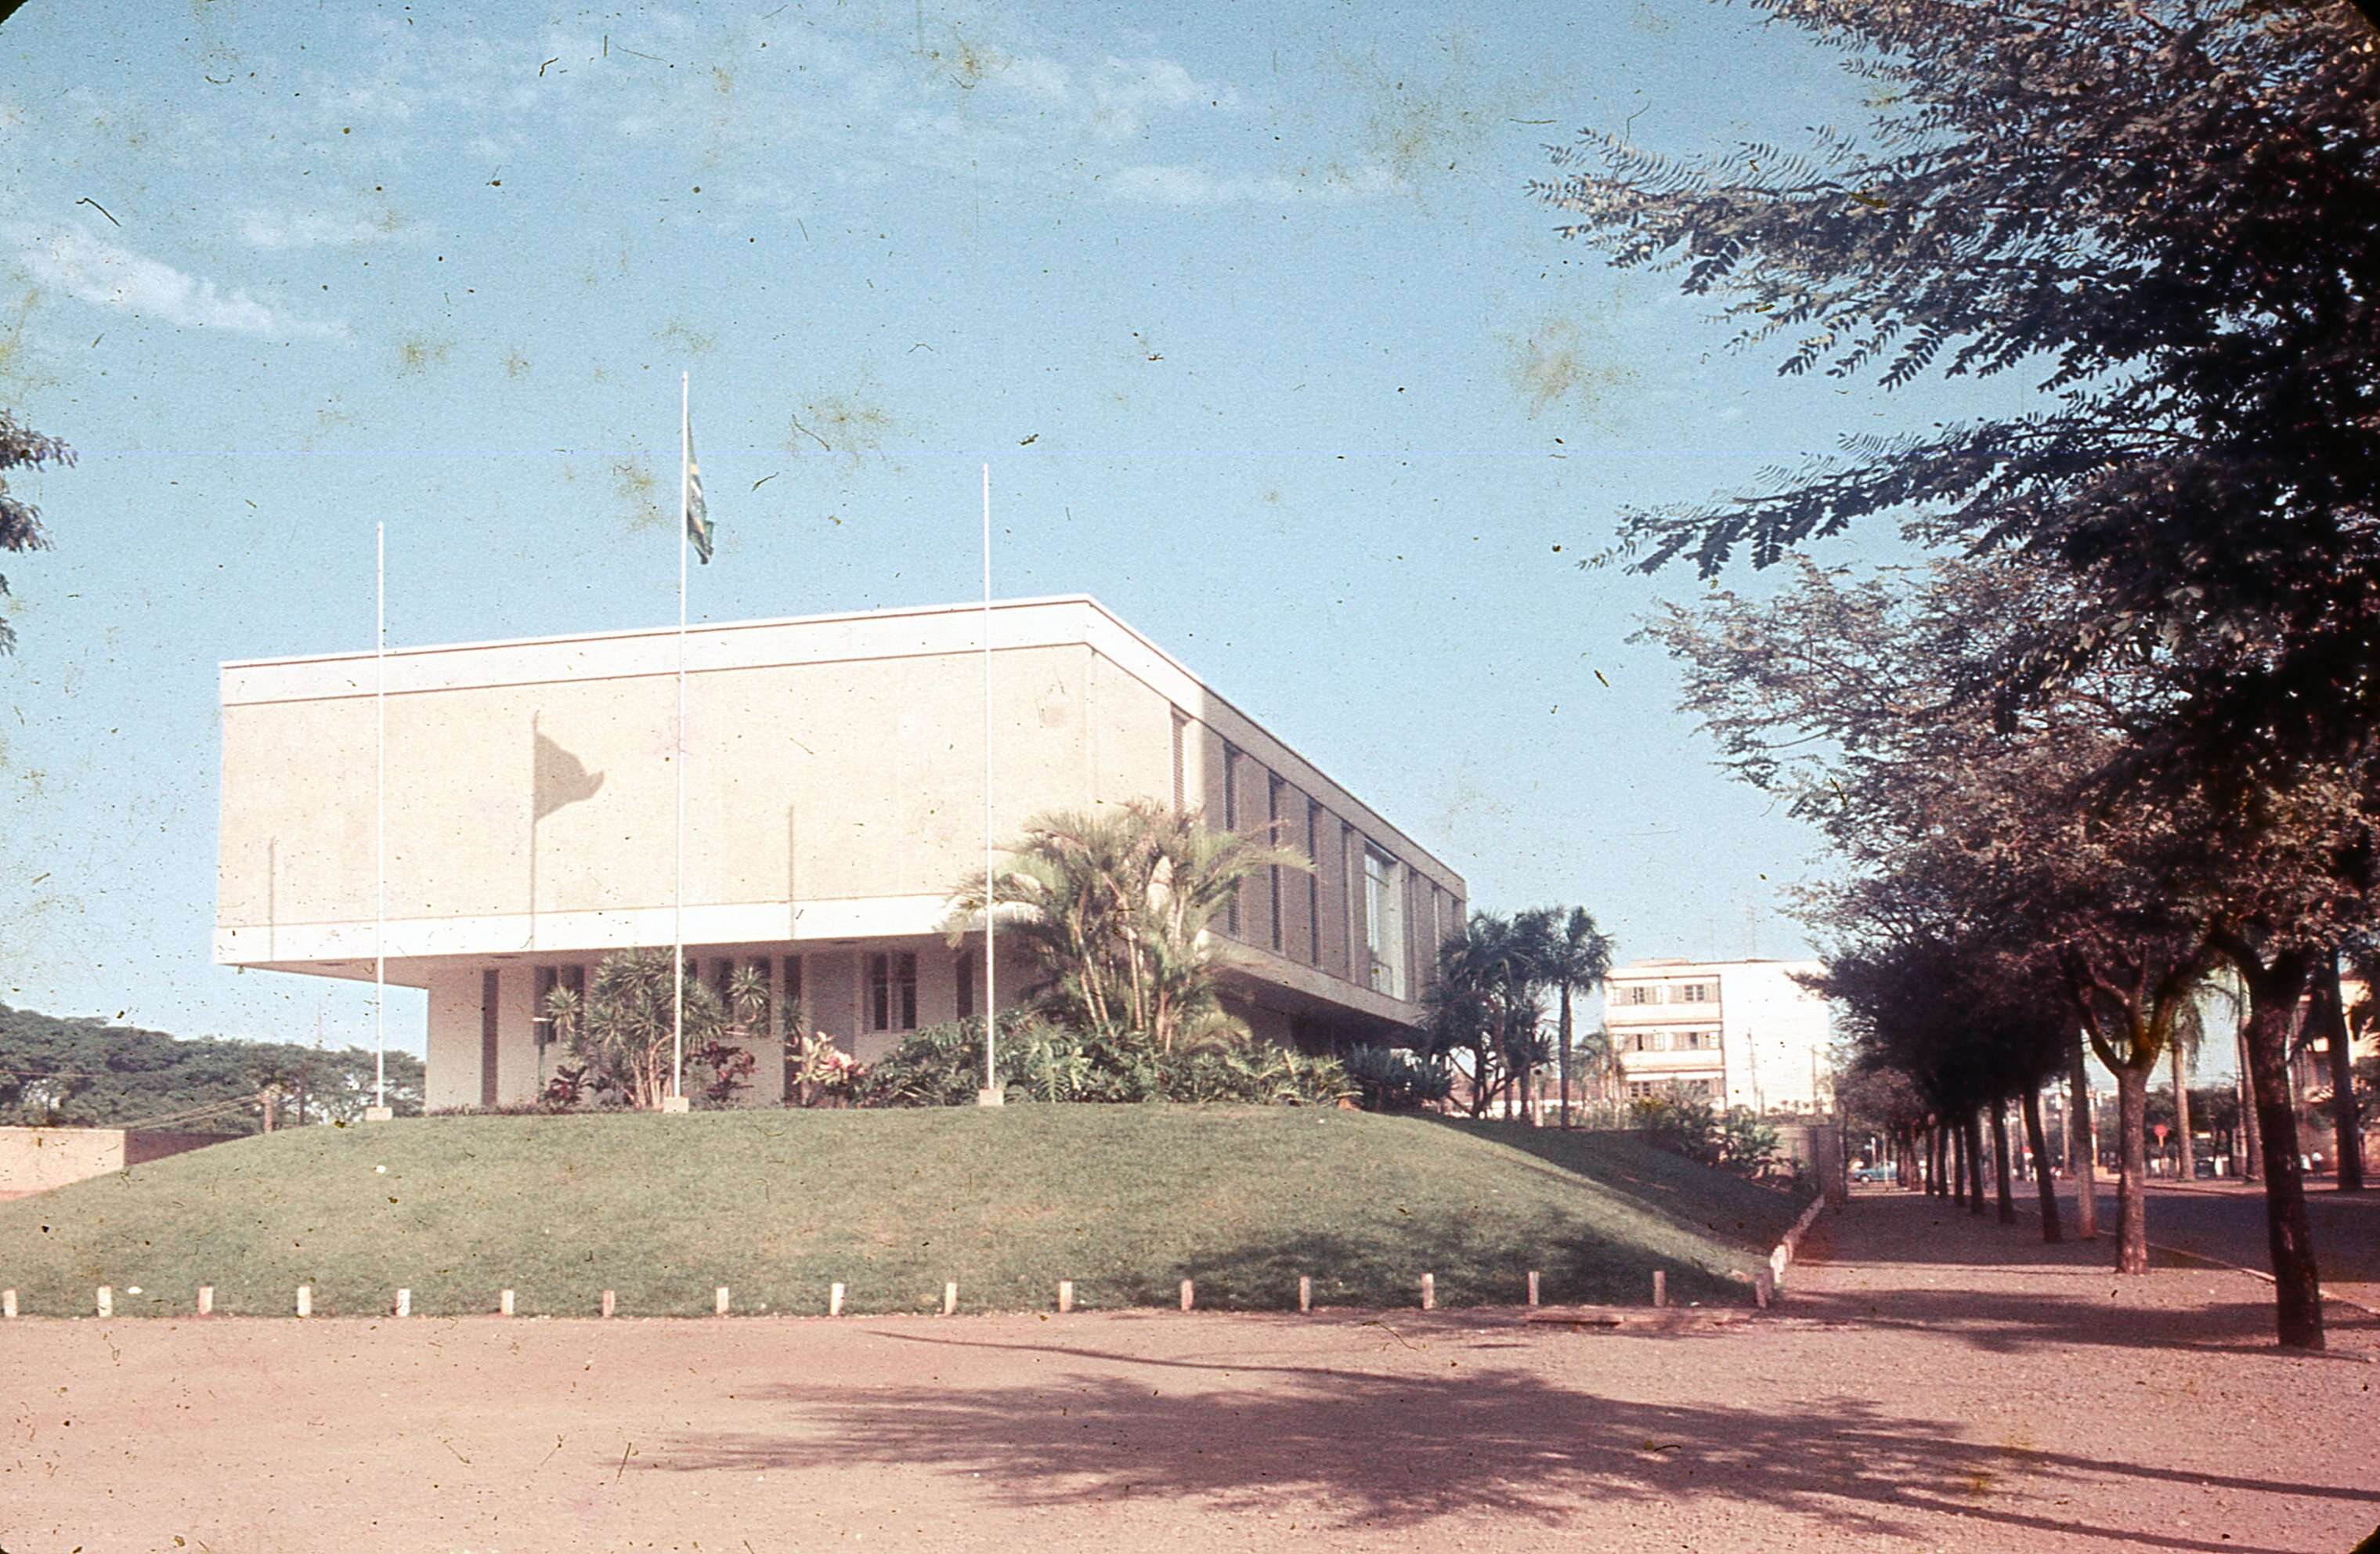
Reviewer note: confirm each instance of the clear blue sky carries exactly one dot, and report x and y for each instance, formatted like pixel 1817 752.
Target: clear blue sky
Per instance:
pixel 1251 312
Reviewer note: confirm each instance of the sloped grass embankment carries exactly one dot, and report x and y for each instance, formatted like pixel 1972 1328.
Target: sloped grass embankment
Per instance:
pixel 1126 1201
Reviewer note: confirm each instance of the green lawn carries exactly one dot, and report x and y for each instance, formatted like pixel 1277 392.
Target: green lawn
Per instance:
pixel 1126 1201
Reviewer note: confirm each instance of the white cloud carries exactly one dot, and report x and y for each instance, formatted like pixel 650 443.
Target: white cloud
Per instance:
pixel 1038 77
pixel 1167 183
pixel 309 229
pixel 1124 92
pixel 108 276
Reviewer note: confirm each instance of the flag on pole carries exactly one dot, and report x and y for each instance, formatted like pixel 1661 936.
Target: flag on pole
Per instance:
pixel 697 520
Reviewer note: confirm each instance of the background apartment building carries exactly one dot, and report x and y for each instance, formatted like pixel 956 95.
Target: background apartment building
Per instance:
pixel 1732 1033
pixel 834 792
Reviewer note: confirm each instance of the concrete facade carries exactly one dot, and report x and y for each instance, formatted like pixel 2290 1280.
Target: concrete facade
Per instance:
pixel 834 796
pixel 1733 1033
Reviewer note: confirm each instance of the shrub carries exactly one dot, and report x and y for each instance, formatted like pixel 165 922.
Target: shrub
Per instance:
pixel 942 1065
pixel 1738 1141
pixel 1386 1079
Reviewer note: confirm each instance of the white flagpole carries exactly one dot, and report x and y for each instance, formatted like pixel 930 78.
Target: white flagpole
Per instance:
pixel 380 816
pixel 990 1095
pixel 678 898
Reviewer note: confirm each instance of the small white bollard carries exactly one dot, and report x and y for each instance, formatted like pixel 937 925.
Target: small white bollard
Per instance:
pixel 1762 1290
pixel 206 1300
pixel 835 1300
pixel 504 1303
pixel 1778 1260
pixel 611 1303
pixel 719 1301
pixel 1189 1295
pixel 1660 1288
pixel 305 1300
pixel 1430 1291
pixel 1305 1291
pixel 9 1305
pixel 951 1300
pixel 106 1300
pixel 1066 1295
pixel 404 1303
pixel 1532 1286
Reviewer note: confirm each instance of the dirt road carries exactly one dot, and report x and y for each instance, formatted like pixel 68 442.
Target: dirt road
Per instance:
pixel 1925 1385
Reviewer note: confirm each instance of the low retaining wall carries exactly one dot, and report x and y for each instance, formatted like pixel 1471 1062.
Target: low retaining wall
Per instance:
pixel 36 1160
pixel 1782 1257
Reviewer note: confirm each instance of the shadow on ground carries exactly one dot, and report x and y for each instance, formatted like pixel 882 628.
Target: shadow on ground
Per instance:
pixel 1392 1450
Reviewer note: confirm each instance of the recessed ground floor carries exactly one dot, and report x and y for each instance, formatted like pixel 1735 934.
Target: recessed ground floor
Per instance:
pixel 490 1041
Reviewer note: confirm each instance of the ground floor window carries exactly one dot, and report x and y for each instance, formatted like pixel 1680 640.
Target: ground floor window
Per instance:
pixel 963 974
pixel 893 991
pixel 547 981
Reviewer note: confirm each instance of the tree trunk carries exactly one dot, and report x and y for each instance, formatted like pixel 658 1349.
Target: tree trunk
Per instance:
pixel 2251 1134
pixel 2273 995
pixel 2079 1147
pixel 2187 1160
pixel 1958 1166
pixel 2047 1185
pixel 2132 1155
pixel 1973 1126
pixel 2006 1201
pixel 1564 1057
pixel 2347 1122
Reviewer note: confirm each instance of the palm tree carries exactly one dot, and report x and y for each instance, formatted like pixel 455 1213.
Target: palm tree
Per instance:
pixel 1484 1002
pixel 1573 956
pixel 1114 908
pixel 623 1031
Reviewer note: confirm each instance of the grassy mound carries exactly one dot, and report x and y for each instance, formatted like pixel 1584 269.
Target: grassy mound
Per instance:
pixel 1126 1201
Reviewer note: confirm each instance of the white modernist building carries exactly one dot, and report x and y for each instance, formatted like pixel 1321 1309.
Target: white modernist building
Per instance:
pixel 1732 1033
pixel 834 796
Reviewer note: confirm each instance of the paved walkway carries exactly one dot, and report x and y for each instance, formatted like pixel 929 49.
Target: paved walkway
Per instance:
pixel 1929 1383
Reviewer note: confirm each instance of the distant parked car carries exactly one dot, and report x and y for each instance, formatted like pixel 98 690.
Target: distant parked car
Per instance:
pixel 1882 1171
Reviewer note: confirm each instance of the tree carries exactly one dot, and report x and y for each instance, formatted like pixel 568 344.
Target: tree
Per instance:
pixel 2133 893
pixel 20 521
pixel 627 1030
pixel 1115 908
pixel 2172 211
pixel 93 1073
pixel 1572 957
pixel 1485 1004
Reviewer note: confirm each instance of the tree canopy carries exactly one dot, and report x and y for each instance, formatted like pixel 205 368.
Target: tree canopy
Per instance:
pixel 2170 212
pixel 91 1073
pixel 20 521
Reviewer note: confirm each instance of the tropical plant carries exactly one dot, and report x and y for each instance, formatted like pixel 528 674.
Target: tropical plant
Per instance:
pixel 818 1073
pixel 1389 1079
pixel 1486 1005
pixel 1572 957
pixel 1113 908
pixel 942 1065
pixel 624 1030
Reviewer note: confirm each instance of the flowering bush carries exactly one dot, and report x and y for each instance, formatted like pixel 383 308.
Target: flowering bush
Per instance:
pixel 818 1073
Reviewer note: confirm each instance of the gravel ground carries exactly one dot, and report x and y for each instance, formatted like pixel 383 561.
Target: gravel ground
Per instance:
pixel 1931 1382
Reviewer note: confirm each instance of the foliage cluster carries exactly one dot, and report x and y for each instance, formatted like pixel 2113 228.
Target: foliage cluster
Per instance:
pixel 1387 1079
pixel 2122 734
pixel 942 1065
pixel 1487 1007
pixel 20 521
pixel 88 1073
pixel 1736 1140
